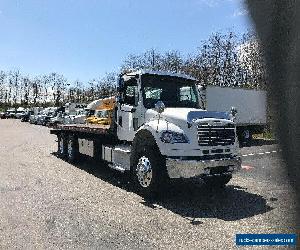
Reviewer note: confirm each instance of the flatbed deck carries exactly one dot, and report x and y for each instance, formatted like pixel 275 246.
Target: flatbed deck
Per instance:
pixel 85 128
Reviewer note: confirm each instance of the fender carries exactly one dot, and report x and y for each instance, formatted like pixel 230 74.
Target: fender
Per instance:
pixel 155 129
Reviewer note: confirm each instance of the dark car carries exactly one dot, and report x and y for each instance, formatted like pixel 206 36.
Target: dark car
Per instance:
pixel 11 113
pixel 4 115
pixel 25 117
pixel 46 120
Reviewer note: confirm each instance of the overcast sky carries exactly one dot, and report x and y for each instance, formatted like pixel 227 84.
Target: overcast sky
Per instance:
pixel 83 39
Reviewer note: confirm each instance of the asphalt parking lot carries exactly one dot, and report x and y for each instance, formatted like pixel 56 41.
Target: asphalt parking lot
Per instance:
pixel 47 203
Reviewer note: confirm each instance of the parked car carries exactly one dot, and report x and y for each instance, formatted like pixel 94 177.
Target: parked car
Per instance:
pixel 20 112
pixel 25 117
pixel 11 113
pixel 39 119
pixel 33 119
pixel 68 119
pixel 44 118
pixel 80 117
pixel 6 115
pixel 58 119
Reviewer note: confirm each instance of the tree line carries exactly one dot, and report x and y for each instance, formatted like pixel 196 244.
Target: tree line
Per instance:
pixel 224 59
pixel 51 89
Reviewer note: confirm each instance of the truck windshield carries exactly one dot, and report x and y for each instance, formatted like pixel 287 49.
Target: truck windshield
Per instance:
pixel 172 91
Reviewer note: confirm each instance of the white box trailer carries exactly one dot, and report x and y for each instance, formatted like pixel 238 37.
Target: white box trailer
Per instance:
pixel 251 106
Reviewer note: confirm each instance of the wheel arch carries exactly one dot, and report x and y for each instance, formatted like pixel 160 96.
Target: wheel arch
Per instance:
pixel 144 144
pixel 145 137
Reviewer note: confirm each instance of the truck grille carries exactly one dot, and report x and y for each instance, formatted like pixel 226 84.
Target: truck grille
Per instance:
pixel 209 135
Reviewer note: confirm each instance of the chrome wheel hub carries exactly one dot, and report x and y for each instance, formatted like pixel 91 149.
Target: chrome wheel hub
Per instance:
pixel 144 172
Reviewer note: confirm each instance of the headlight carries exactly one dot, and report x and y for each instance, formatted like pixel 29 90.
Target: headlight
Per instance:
pixel 173 137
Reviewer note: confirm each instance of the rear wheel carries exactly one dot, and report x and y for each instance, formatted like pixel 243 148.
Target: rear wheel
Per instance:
pixel 62 147
pixel 245 137
pixel 72 149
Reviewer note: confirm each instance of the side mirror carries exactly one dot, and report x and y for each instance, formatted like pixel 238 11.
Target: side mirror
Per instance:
pixel 120 83
pixel 120 98
pixel 233 111
pixel 120 90
pixel 159 107
pixel 201 87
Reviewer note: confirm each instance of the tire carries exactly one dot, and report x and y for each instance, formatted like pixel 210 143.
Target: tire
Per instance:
pixel 61 146
pixel 216 182
pixel 245 137
pixel 72 149
pixel 148 169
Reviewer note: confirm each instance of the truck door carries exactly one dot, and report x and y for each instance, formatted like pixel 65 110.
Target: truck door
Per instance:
pixel 126 116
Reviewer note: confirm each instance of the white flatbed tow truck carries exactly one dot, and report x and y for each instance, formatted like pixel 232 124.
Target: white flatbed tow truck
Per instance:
pixel 159 132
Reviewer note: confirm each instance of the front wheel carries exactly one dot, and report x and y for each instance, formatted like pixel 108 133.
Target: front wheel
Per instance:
pixel 148 172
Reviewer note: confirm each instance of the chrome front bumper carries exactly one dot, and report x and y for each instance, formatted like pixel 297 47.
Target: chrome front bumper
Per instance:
pixel 191 168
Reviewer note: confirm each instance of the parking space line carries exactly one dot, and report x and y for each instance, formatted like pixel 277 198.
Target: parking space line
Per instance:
pixel 247 167
pixel 259 153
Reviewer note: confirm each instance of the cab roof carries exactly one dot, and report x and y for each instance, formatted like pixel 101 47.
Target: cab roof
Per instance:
pixel 161 73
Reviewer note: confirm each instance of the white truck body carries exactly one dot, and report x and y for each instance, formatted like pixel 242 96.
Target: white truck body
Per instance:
pixel 251 106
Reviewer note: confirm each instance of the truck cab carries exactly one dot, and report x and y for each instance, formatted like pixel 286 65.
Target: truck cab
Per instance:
pixel 164 110
pixel 181 121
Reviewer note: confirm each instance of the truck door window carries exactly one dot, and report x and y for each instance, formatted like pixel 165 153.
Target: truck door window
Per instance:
pixel 187 94
pixel 152 93
pixel 130 94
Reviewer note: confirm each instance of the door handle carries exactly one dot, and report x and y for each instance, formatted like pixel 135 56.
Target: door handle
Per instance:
pixel 120 121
